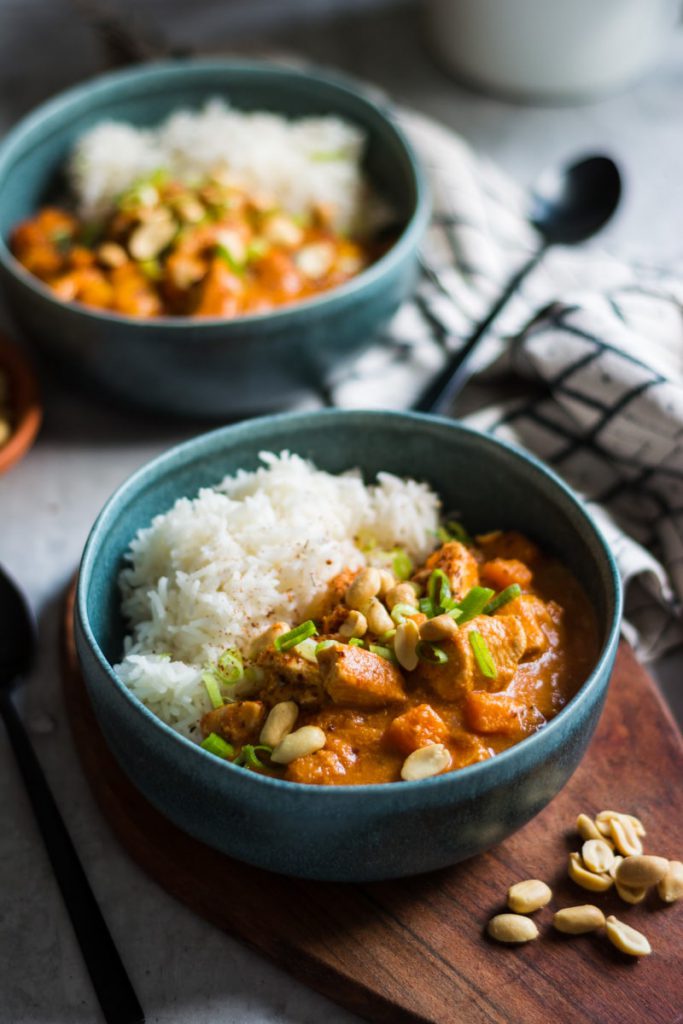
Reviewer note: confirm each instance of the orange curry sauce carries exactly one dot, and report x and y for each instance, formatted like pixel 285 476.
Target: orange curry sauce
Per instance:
pixel 375 713
pixel 170 249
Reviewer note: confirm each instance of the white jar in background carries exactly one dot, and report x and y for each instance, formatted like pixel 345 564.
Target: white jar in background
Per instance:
pixel 550 49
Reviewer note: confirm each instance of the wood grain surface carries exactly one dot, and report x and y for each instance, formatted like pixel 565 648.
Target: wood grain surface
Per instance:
pixel 416 949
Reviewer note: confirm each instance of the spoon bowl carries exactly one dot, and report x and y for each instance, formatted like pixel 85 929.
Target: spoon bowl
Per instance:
pixel 572 204
pixel 18 634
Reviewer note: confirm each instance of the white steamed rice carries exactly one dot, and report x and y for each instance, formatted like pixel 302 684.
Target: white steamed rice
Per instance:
pixel 216 570
pixel 296 162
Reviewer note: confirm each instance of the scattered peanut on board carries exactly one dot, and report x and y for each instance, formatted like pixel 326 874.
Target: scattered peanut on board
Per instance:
pixel 611 855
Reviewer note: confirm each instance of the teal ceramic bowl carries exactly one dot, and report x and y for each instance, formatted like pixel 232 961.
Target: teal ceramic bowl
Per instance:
pixel 353 833
pixel 209 367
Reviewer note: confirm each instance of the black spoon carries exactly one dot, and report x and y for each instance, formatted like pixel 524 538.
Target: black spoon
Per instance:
pixel 110 981
pixel 568 206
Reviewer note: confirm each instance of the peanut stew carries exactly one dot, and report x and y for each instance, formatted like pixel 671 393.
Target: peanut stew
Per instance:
pixel 172 249
pixel 408 674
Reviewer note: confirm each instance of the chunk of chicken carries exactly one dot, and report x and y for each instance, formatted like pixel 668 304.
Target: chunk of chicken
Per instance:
pixel 238 723
pixel 500 713
pixel 459 565
pixel 324 767
pixel 539 619
pixel 287 675
pixel 505 639
pixel 500 573
pixel 353 675
pixel 324 604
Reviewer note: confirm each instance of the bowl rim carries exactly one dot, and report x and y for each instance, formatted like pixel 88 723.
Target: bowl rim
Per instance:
pixel 283 316
pixel 282 786
pixel 25 400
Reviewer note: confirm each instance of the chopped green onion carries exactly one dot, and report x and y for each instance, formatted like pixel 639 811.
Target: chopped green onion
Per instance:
pixel 431 653
pixel 91 233
pixel 427 607
pixel 257 249
pixel 215 744
pixel 151 269
pixel 247 755
pixel 224 253
pixel 401 612
pixel 482 655
pixel 439 591
pixel 388 635
pixel 230 667
pixel 473 603
pixel 401 564
pixel 453 530
pixel 307 649
pixel 213 689
pixel 509 594
pixel 323 645
pixel 295 636
pixel 327 155
pixel 383 652
pixel 356 641
pixel 454 612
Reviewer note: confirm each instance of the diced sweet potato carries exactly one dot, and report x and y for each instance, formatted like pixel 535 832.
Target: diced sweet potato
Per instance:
pixel 457 562
pixel 509 544
pixel 500 573
pixel 506 641
pixel 416 728
pixel 493 712
pixel 238 723
pixel 325 767
pixel 353 675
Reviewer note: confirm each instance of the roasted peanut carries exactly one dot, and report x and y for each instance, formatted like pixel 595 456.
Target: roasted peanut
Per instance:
pixel 438 628
pixel 425 762
pixel 585 878
pixel 111 254
pixel 387 582
pixel 303 741
pixel 578 920
pixel 512 928
pixel 279 723
pixel 628 893
pixel 587 828
pixel 625 837
pixel 603 819
pixel 405 644
pixel 597 855
pixel 670 888
pixel 355 624
pixel 378 618
pixel 365 586
pixel 403 593
pixel 615 864
pixel 525 897
pixel 642 871
pixel 626 939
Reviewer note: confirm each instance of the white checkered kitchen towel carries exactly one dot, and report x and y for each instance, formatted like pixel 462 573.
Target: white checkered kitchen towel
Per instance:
pixel 597 344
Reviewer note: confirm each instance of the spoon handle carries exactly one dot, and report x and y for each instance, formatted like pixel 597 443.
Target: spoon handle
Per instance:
pixel 111 983
pixel 450 380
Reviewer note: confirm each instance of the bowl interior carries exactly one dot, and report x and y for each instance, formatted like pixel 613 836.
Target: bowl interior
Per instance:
pixel 33 157
pixel 487 484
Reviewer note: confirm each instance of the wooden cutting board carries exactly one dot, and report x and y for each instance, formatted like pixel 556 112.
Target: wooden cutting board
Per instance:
pixel 415 949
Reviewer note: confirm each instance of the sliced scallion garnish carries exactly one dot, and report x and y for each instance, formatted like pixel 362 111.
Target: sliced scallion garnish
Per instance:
pixel 356 641
pixel 215 744
pixel 307 649
pixel 402 564
pixel 230 666
pixel 509 594
pixel 482 655
pixel 431 653
pixel 473 603
pixel 388 635
pixel 247 755
pixel 453 530
pixel 439 591
pixel 323 645
pixel 295 636
pixel 382 652
pixel 427 607
pixel 401 612
pixel 213 689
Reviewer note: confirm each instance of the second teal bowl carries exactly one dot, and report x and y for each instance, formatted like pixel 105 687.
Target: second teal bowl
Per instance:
pixel 348 833
pixel 209 368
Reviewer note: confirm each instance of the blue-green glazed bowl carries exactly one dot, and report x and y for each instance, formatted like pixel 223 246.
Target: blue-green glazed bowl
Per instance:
pixel 209 367
pixel 354 833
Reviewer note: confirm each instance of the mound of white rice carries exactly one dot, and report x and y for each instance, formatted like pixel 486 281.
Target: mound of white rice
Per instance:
pixel 216 570
pixel 296 162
